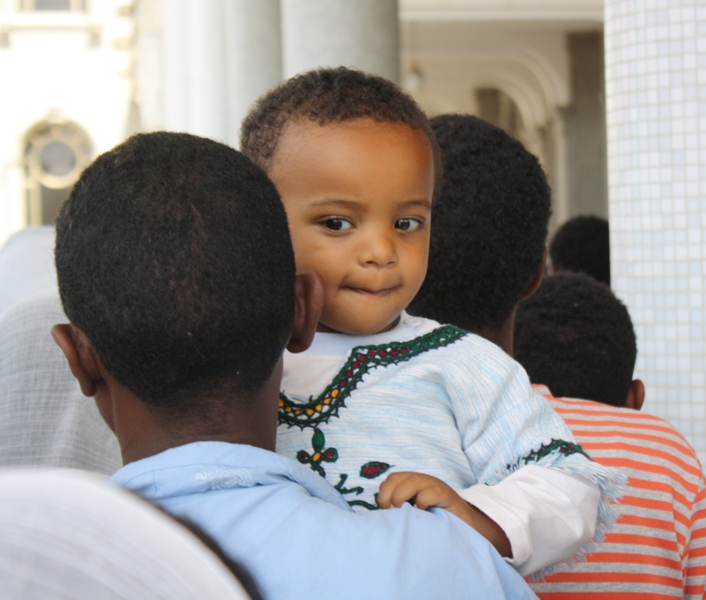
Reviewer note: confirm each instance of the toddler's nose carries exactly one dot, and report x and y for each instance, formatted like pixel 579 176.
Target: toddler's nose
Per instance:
pixel 378 250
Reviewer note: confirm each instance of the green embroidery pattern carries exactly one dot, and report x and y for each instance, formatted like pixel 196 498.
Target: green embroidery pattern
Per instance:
pixel 318 441
pixel 360 361
pixel 369 470
pixel 355 490
pixel 560 446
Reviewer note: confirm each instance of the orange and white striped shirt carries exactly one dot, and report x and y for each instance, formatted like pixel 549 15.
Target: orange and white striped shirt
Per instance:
pixel 657 548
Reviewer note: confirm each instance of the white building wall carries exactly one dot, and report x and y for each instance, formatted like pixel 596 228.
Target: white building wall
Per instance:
pixel 656 110
pixel 59 66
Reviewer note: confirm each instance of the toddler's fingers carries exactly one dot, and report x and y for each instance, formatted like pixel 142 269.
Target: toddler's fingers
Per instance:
pixel 388 488
pixel 435 495
pixel 399 488
pixel 408 486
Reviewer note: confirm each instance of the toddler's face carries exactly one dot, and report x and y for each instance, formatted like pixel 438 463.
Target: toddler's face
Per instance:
pixel 358 198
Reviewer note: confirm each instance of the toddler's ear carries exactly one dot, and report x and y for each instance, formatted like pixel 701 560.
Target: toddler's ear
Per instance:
pixel 79 353
pixel 308 303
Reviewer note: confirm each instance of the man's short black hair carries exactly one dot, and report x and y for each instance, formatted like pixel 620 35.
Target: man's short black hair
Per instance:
pixel 574 336
pixel 582 245
pixel 174 257
pixel 489 225
pixel 323 96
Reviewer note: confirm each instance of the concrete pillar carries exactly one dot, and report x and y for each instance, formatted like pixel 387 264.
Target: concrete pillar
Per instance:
pixel 561 209
pixel 206 69
pixel 656 115
pixel 175 52
pixel 218 56
pixel 253 55
pixel 586 127
pixel 363 34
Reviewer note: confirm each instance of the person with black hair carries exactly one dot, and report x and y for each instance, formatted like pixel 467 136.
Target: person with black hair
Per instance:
pixel 487 246
pixel 582 245
pixel 356 164
pixel 487 254
pixel 176 271
pixel 574 336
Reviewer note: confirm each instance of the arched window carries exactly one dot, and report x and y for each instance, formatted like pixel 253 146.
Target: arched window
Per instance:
pixel 54 156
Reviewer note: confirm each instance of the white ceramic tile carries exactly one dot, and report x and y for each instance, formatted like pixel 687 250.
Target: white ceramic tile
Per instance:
pixel 656 108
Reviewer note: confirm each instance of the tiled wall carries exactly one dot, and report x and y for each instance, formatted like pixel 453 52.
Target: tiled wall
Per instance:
pixel 656 111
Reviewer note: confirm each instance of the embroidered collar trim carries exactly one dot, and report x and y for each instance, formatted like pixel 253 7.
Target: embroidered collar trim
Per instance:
pixel 361 360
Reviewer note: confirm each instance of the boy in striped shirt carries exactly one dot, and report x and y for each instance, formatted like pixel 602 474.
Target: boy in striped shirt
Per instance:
pixel 577 338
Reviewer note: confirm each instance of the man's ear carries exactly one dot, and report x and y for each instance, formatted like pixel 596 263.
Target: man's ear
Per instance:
pixel 80 354
pixel 308 303
pixel 536 280
pixel 636 395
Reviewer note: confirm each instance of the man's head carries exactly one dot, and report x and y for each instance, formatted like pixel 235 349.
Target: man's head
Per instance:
pixel 352 157
pixel 489 227
pixel 574 336
pixel 174 259
pixel 582 245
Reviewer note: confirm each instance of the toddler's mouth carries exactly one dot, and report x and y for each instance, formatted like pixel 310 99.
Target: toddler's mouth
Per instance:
pixel 372 292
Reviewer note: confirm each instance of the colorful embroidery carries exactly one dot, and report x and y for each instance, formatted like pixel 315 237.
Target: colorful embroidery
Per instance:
pixel 373 469
pixel 360 361
pixel 318 441
pixel 560 446
pixel 369 470
pixel 355 490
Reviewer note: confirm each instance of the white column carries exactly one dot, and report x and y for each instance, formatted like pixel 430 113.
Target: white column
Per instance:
pixel 656 109
pixel 175 52
pixel 363 34
pixel 218 57
pixel 253 56
pixel 559 184
pixel 206 69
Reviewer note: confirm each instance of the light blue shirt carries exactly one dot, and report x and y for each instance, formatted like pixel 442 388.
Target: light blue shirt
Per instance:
pixel 300 539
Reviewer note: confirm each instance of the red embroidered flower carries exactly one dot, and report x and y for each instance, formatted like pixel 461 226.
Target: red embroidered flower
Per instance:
pixel 373 469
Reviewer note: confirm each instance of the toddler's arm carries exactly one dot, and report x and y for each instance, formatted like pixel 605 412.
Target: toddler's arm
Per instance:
pixel 426 491
pixel 548 514
pixel 533 480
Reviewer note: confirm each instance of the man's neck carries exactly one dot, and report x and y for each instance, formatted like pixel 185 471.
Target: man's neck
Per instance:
pixel 152 442
pixel 143 431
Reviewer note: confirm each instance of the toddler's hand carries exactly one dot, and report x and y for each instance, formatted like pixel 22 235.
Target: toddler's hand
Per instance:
pixel 425 491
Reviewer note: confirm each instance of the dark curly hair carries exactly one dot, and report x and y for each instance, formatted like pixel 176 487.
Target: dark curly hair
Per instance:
pixel 331 95
pixel 582 245
pixel 173 256
pixel 576 337
pixel 489 225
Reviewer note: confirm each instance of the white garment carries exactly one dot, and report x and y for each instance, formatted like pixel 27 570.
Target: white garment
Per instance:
pixel 71 535
pixel 27 266
pixel 44 418
pixel 459 409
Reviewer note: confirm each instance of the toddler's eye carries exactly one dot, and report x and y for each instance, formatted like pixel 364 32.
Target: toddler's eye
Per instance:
pixel 408 224
pixel 337 224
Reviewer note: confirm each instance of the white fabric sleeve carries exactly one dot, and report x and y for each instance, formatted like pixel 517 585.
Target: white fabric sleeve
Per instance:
pixel 547 514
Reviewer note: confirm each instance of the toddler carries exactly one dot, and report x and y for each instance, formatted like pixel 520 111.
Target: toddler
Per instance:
pixel 356 164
